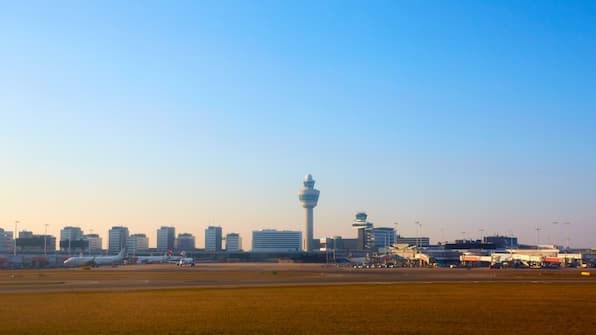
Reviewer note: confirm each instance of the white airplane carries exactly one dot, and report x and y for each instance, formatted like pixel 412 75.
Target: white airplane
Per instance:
pixel 96 260
pixel 186 261
pixel 357 260
pixel 166 258
pixel 176 259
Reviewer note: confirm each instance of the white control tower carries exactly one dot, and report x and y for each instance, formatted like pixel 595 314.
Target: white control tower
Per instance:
pixel 308 196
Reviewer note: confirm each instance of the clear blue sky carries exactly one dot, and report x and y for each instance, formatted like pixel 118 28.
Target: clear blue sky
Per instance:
pixel 464 115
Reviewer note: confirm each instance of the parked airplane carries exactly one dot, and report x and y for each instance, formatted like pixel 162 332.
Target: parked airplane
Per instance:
pixel 150 259
pixel 166 258
pixel 354 260
pixel 96 260
pixel 186 261
pixel 176 259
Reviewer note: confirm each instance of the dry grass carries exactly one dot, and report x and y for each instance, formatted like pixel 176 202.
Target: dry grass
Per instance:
pixel 482 308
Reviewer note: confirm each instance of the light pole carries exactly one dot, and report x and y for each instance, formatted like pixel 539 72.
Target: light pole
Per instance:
pixel 482 235
pixel 386 249
pixel 45 241
pixel 88 244
pixel 16 224
pixel 568 224
pixel 538 229
pixel 418 229
pixel 555 223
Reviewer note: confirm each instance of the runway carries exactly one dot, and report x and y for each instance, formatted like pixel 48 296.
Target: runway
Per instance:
pixel 218 275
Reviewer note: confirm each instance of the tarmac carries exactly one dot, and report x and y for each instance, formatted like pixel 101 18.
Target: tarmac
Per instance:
pixel 234 275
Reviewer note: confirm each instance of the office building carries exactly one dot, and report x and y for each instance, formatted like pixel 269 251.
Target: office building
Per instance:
pixel 71 233
pixel 166 238
pixel 117 237
pixel 270 240
pixel 309 197
pixel 185 242
pixel 94 243
pixel 6 242
pixel 71 240
pixel 213 237
pixel 25 234
pixel 136 243
pixel 383 237
pixel 233 242
pixel 36 244
pixel 331 243
pixel 348 244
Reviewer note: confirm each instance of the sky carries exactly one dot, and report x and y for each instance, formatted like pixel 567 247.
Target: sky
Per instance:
pixel 471 117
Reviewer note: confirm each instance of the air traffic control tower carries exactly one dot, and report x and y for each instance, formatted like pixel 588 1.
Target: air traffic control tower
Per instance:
pixel 308 196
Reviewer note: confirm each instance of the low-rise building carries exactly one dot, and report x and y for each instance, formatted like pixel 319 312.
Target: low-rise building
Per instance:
pixel 39 244
pixel 271 240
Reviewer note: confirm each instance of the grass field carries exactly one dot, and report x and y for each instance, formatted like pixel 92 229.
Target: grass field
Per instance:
pixel 447 308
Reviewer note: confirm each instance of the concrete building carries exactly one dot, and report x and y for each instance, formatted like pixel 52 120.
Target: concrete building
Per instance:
pixel 331 243
pixel 71 240
pixel 6 242
pixel 166 238
pixel 36 244
pixel 136 243
pixel 213 237
pixel 94 243
pixel 366 237
pixel 71 233
pixel 309 197
pixel 502 241
pixel 270 240
pixel 383 237
pixel 185 242
pixel 117 237
pixel 233 242
pixel 349 243
pixel 25 234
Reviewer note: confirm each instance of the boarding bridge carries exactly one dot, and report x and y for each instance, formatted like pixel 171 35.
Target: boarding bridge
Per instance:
pixel 409 253
pixel 525 257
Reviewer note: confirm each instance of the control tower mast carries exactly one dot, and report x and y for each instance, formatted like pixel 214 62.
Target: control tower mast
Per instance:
pixel 308 196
